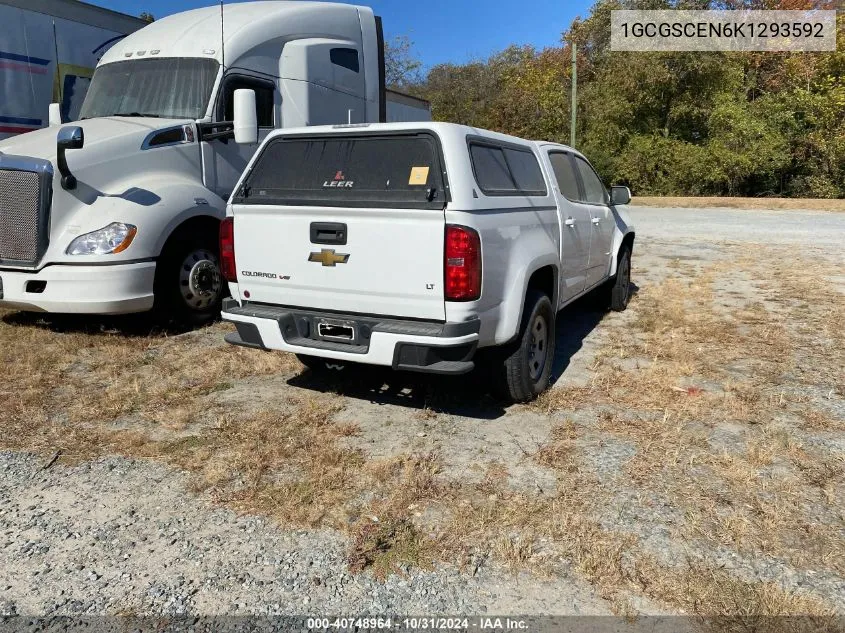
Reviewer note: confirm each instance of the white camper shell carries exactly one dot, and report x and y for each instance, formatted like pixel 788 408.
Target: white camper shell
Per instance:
pixel 119 211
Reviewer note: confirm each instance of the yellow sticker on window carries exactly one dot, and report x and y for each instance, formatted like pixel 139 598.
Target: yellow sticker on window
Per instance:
pixel 419 176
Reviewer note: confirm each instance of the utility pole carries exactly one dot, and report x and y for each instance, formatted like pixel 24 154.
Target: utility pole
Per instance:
pixel 574 93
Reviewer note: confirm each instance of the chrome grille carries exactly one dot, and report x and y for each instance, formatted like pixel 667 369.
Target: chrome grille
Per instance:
pixel 19 211
pixel 25 198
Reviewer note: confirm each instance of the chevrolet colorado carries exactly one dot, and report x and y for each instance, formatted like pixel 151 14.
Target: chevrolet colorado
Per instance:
pixel 415 245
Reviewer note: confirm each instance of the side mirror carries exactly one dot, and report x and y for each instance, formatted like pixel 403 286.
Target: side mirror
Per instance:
pixel 71 137
pixel 54 116
pixel 246 117
pixel 620 195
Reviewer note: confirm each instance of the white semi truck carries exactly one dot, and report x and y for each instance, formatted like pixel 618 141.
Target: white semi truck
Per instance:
pixel 48 52
pixel 119 211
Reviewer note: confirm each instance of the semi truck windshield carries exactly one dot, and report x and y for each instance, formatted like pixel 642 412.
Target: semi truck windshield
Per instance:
pixel 175 88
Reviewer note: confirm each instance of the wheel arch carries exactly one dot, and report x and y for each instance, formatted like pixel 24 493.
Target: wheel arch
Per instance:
pixel 207 225
pixel 544 279
pixel 542 275
pixel 627 240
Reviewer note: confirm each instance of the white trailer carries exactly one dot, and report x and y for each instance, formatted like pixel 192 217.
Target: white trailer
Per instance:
pixel 48 52
pixel 120 211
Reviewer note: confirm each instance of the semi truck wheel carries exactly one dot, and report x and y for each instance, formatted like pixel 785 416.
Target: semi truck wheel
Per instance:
pixel 188 286
pixel 525 370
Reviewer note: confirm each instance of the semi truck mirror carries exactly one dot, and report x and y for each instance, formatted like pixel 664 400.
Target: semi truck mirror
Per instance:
pixel 620 195
pixel 54 114
pixel 246 117
pixel 71 137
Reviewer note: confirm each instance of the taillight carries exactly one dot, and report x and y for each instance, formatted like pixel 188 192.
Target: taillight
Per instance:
pixel 462 264
pixel 227 250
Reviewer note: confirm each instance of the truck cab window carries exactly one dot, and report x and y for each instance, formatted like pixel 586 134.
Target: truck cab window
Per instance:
pixel 594 191
pixel 564 171
pixel 264 92
pixel 346 57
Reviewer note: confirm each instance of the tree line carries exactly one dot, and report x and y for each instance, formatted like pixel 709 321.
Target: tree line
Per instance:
pixel 716 123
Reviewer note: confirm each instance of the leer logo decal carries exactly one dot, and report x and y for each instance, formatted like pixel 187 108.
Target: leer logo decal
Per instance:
pixel 339 180
pixel 328 257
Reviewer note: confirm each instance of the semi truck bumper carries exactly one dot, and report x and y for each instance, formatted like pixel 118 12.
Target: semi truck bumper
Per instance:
pixel 438 348
pixel 105 289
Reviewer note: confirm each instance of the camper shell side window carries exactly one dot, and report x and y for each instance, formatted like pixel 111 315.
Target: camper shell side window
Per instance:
pixel 505 169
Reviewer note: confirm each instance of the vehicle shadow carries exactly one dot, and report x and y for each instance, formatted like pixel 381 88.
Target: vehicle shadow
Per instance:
pixel 468 395
pixel 129 325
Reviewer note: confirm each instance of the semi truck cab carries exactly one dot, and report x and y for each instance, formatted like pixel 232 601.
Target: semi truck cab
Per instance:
pixel 119 211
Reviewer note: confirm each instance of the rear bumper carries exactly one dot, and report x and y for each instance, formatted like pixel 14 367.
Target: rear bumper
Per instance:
pixel 438 348
pixel 108 289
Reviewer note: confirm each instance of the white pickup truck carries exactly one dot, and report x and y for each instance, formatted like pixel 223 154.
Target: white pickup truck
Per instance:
pixel 414 245
pixel 119 212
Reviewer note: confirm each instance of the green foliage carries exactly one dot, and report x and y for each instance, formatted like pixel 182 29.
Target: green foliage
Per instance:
pixel 147 16
pixel 754 124
pixel 401 68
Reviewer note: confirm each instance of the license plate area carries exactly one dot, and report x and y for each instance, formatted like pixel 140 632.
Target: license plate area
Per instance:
pixel 337 331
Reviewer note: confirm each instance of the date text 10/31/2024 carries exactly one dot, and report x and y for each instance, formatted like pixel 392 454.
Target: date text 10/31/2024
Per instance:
pixel 417 624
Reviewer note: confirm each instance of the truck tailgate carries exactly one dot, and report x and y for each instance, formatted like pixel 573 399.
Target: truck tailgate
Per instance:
pixel 351 222
pixel 391 264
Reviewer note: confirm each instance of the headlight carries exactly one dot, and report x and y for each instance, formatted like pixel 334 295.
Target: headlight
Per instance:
pixel 114 238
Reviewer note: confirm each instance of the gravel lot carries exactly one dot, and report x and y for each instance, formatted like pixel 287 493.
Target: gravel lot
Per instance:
pixel 119 535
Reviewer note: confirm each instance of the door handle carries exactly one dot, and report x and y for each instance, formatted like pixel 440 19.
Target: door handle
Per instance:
pixel 328 233
pixel 596 220
pixel 569 222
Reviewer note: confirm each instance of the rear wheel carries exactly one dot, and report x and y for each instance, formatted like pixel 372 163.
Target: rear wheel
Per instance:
pixel 526 368
pixel 188 286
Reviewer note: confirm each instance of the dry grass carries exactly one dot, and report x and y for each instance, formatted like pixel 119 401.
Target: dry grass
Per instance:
pixel 816 204
pixel 64 388
pixel 762 488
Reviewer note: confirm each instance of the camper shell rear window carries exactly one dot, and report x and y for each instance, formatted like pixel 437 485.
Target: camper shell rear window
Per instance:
pixel 355 170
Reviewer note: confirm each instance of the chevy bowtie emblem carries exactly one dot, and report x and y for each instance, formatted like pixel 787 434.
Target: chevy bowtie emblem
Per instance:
pixel 327 257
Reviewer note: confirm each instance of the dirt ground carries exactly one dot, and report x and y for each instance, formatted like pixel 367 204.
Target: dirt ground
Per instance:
pixel 689 459
pixel 724 202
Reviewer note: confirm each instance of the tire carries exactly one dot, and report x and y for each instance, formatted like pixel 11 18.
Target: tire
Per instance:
pixel 525 370
pixel 620 287
pixel 188 286
pixel 322 365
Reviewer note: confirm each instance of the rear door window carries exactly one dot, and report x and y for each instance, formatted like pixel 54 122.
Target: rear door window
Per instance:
pixel 379 171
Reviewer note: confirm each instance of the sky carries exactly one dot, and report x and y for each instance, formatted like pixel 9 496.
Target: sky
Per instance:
pixel 442 30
